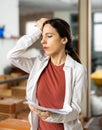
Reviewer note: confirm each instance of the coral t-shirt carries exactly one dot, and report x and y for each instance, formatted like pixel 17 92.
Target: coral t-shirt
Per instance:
pixel 51 93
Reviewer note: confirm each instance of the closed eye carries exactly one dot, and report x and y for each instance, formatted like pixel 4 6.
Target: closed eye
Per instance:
pixel 49 36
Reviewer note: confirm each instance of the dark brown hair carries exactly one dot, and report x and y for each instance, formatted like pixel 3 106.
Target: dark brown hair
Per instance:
pixel 63 29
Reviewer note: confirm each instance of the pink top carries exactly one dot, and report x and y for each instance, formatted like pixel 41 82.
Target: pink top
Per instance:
pixel 51 93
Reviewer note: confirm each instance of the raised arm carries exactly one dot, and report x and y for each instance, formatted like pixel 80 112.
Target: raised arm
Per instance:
pixel 15 55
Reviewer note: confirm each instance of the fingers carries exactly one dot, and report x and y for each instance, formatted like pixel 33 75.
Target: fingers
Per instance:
pixel 42 114
pixel 40 22
pixel 32 108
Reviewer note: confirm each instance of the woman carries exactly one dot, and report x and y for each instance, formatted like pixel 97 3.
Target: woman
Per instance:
pixel 57 79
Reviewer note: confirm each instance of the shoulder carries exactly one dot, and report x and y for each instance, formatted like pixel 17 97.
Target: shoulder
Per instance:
pixel 76 66
pixel 80 71
pixel 79 66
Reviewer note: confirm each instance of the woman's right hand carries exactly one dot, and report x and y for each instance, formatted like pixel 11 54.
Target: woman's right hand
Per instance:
pixel 40 22
pixel 42 114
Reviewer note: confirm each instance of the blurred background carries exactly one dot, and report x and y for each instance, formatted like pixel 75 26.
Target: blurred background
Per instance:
pixel 16 19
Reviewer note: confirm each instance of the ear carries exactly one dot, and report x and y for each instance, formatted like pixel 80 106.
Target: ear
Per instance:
pixel 64 40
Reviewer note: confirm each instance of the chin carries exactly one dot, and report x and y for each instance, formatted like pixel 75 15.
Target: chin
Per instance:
pixel 48 54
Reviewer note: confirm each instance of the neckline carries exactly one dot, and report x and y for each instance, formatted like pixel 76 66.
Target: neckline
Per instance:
pixel 56 66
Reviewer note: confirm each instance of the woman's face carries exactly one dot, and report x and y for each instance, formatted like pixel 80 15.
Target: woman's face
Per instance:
pixel 52 43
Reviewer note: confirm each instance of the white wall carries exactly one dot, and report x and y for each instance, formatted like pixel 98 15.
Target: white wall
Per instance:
pixel 9 16
pixel 5 46
pixel 62 14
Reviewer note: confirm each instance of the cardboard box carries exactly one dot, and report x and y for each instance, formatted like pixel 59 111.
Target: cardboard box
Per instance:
pixel 5 85
pixel 12 106
pixel 14 124
pixel 19 91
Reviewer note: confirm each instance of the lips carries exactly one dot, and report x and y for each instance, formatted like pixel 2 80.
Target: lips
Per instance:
pixel 45 48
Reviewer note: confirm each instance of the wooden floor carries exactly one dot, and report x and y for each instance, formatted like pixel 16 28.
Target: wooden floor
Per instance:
pixel 18 123
pixel 14 124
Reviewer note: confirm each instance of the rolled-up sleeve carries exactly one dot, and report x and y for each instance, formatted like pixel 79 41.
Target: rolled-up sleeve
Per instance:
pixel 15 54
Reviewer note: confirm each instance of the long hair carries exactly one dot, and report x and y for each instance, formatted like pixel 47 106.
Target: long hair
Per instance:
pixel 63 29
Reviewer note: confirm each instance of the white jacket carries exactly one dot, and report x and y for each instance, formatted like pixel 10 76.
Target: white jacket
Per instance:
pixel 75 78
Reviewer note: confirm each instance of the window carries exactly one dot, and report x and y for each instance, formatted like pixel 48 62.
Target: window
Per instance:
pixel 29 27
pixel 97 41
pixel 74 28
pixel 74 25
pixel 97 35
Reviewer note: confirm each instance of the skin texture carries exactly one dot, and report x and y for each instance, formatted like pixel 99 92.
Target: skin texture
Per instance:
pixel 53 44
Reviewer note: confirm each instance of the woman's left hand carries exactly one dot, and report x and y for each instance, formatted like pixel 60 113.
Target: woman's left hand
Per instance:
pixel 42 114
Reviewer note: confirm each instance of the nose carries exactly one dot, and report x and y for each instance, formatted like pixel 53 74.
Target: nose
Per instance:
pixel 43 41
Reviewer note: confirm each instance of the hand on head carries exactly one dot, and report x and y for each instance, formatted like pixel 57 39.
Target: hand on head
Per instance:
pixel 40 22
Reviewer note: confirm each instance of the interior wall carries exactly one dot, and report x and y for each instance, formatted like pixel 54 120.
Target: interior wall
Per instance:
pixel 62 14
pixel 5 46
pixel 32 17
pixel 9 16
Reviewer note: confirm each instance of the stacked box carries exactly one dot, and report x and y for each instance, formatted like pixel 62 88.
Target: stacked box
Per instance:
pixel 12 106
pixel 14 124
pixel 19 91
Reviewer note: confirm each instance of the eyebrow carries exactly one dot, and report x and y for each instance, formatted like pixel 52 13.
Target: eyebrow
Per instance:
pixel 48 33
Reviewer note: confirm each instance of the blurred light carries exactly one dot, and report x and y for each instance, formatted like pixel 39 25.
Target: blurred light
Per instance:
pixel 70 1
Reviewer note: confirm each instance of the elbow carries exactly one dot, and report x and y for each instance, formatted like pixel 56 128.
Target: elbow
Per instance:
pixel 9 57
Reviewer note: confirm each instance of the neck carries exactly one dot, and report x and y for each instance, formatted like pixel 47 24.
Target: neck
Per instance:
pixel 58 60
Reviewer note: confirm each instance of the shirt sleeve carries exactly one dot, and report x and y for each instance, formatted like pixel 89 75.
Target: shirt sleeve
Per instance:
pixel 15 54
pixel 78 94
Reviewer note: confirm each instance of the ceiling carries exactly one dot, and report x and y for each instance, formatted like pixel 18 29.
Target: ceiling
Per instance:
pixel 53 5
